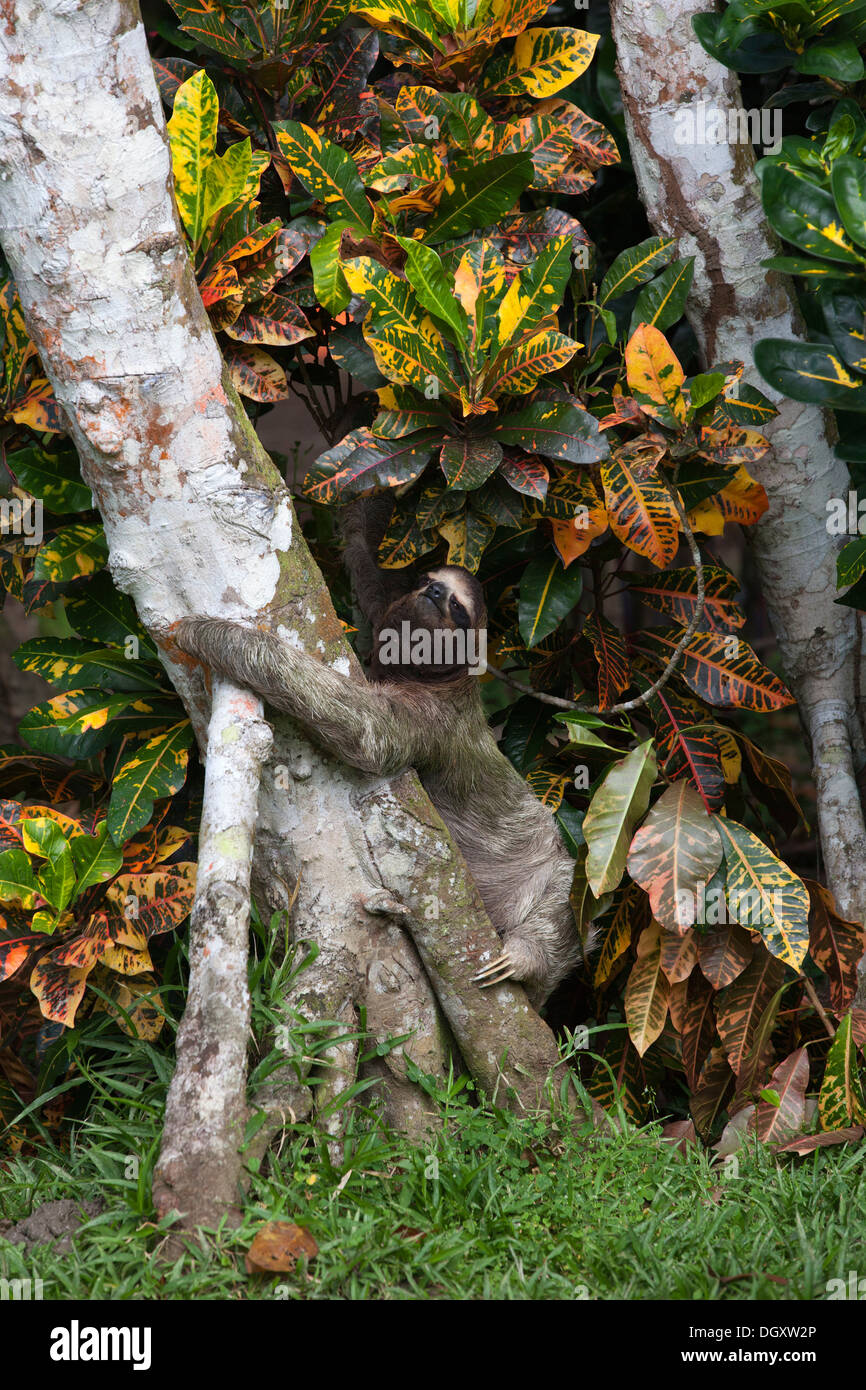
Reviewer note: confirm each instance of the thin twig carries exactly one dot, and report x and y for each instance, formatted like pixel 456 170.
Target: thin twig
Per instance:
pixel 818 1006
pixel 666 674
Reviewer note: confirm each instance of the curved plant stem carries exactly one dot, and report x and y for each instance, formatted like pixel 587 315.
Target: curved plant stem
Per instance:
pixel 666 674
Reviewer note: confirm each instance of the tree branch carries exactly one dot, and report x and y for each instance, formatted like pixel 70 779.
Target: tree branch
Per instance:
pixel 199 1167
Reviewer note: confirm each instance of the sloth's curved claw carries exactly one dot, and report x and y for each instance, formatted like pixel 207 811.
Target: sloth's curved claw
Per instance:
pixel 500 969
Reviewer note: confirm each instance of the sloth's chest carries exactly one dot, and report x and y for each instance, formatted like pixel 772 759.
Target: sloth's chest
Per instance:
pixel 509 841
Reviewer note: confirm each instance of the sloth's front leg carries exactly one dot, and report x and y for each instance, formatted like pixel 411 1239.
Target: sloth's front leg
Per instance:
pixel 349 718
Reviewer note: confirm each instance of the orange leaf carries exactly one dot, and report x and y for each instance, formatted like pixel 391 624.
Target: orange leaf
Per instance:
pixel 278 1246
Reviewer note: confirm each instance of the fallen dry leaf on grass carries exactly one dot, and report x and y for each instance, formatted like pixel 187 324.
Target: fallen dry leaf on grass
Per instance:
pixel 278 1246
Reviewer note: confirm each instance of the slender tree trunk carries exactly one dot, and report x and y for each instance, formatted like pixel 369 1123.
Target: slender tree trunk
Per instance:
pixel 707 196
pixel 206 1109
pixel 198 521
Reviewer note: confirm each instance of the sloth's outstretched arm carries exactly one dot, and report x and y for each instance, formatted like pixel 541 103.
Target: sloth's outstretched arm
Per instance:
pixel 350 719
pixel 364 523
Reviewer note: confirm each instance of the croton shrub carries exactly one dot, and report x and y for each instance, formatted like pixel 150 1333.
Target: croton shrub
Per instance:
pixel 409 215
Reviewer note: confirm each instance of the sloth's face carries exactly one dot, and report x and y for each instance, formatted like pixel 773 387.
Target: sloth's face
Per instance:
pixel 433 631
pixel 453 594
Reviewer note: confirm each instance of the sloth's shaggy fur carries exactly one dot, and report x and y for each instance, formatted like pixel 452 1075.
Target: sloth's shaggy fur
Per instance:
pixel 432 720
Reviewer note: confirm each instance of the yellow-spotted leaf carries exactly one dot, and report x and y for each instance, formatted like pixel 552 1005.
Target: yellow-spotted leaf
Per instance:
pixel 44 838
pixel 548 785
pixel 326 171
pixel 79 723
pixel 676 852
pixel 468 125
pixel 59 988
pixel 75 723
pixel 811 372
pixel 647 990
pixel 76 550
pixel 136 1004
pixel 840 1102
pixel 544 61
pixel 158 768
pixel 617 805
pixel 403 543
pixel 17 346
pixel 732 758
pixel 548 143
pixel 477 195
pixel 535 294
pixel 523 366
pixel 593 145
pixel 742 500
pixel 746 1009
pixel 403 18
pixel 124 961
pixel 423 112
pixel 95 858
pixel 655 377
pixel 399 330
pixel 763 894
pixel 69 663
pixel 401 412
pixel 805 213
pixel 156 902
pixel 411 166
pixel 479 286
pixel 38 409
pixel 255 374
pixel 835 944
pixel 468 534
pixel 572 496
pixel 192 133
pixel 401 356
pixel 17 883
pixel 426 275
pixel 640 512
pixel 635 267
pixel 274 320
pixel 724 953
pixel 67 824
pixel 731 445
pixel 226 178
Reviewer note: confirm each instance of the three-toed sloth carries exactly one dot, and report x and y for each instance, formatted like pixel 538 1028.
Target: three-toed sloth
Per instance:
pixel 422 708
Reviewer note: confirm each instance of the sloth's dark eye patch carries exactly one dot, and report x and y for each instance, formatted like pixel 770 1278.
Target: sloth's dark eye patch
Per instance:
pixel 458 613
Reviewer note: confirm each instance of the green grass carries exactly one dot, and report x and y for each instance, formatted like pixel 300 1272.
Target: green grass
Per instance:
pixel 507 1210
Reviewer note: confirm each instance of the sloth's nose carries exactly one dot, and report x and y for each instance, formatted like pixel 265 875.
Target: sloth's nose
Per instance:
pixel 435 591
